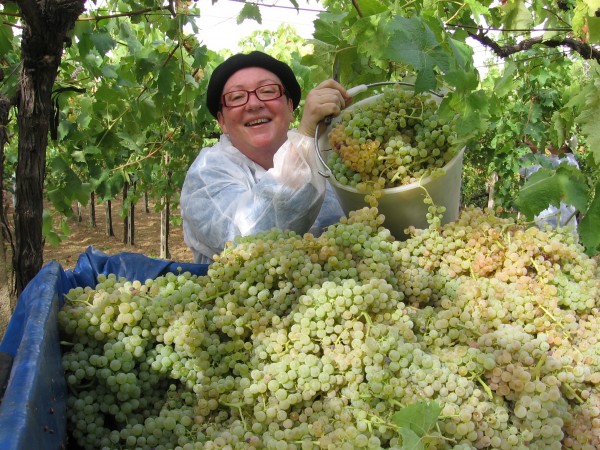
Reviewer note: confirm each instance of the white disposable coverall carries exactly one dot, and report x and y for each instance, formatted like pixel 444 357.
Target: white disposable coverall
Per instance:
pixel 225 194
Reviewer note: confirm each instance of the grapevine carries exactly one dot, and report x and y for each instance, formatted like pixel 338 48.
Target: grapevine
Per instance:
pixel 478 334
pixel 393 139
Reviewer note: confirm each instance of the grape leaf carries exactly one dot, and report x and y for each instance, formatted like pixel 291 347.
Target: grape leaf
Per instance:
pixel 550 187
pixel 249 11
pixel 201 57
pixel 462 73
pixel 583 18
pixel 588 227
pixel 129 141
pixel 102 41
pixel 474 110
pixel 165 79
pixel 411 440
pixel 505 84
pixel 594 30
pixel 109 71
pixel 589 117
pixel 412 42
pixel 6 36
pixel 370 7
pixel 50 236
pixel 425 78
pixel 517 14
pixel 327 28
pixel 419 417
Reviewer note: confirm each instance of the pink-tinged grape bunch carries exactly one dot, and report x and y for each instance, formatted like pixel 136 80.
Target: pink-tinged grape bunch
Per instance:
pixel 485 329
pixel 390 140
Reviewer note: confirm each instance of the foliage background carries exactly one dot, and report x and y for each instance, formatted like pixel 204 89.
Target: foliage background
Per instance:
pixel 128 96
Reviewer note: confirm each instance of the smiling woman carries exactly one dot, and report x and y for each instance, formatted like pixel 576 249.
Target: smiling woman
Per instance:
pixel 257 127
pixel 260 175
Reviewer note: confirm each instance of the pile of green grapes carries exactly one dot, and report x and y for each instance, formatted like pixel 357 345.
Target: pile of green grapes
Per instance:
pixel 478 334
pixel 392 139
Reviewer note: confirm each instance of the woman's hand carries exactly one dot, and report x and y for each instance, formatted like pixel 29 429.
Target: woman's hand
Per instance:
pixel 329 98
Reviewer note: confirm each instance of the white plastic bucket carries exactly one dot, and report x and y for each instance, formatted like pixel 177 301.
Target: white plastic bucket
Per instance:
pixel 402 206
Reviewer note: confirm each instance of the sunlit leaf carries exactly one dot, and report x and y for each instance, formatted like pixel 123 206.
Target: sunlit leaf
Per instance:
pixel 419 417
pixel 588 227
pixel 551 187
pixel 249 11
pixel 517 14
pixel 411 440
pixel 594 29
pixel 412 42
pixel 327 28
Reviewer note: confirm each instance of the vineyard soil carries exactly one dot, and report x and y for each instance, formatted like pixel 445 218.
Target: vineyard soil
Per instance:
pixel 146 237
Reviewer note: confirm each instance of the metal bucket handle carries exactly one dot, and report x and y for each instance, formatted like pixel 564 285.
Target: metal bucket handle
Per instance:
pixel 352 92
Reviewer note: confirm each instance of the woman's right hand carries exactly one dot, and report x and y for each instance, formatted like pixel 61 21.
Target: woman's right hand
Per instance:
pixel 329 98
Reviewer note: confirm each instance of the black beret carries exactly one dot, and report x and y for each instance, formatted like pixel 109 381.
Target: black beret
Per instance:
pixel 227 68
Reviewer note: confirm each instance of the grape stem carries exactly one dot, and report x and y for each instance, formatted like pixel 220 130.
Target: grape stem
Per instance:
pixel 215 296
pixel 554 319
pixel 375 419
pixel 485 386
pixel 538 366
pixel 237 406
pixel 472 330
pixel 413 163
pixel 368 321
pixel 78 300
pixel 569 388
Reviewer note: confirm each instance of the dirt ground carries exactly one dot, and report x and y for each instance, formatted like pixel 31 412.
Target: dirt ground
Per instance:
pixel 146 237
pixel 146 241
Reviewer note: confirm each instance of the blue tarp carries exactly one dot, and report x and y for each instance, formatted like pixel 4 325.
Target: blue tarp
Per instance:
pixel 33 409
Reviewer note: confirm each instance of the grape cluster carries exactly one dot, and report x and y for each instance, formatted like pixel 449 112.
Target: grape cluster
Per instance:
pixel 303 342
pixel 391 140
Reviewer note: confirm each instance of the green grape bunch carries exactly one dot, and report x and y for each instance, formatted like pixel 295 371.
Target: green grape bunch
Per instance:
pixel 482 333
pixel 391 140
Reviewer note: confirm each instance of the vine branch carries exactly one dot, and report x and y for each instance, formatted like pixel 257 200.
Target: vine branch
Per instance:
pixel 138 12
pixel 503 51
pixel 357 8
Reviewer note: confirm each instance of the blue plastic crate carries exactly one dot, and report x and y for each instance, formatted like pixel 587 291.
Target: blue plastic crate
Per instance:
pixel 33 409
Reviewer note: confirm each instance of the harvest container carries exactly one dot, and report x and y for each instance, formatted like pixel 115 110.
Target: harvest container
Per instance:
pixel 33 408
pixel 402 206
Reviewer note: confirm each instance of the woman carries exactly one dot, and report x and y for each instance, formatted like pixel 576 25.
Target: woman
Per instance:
pixel 260 174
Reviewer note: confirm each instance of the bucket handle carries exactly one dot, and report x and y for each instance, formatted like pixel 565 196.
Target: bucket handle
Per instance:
pixel 352 92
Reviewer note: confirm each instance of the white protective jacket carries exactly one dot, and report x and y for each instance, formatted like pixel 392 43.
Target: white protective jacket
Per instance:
pixel 225 194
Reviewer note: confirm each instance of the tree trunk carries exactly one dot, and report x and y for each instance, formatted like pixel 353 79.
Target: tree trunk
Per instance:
pixel 146 203
pixel 93 209
pixel 79 207
pixel 165 214
pixel 45 30
pixel 129 220
pixel 491 188
pixel 5 230
pixel 131 224
pixel 108 225
pixel 126 218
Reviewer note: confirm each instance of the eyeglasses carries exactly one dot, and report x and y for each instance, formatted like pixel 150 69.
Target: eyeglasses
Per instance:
pixel 264 93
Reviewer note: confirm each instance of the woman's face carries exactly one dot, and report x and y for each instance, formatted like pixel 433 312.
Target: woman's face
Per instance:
pixel 257 128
